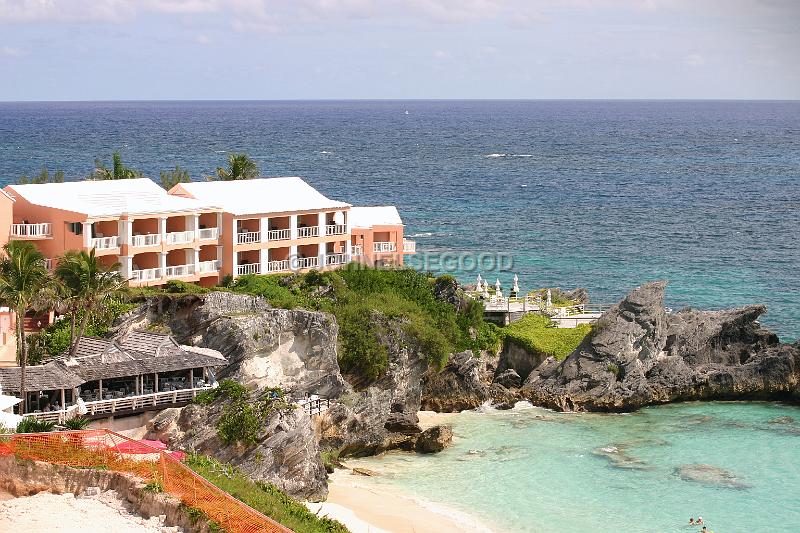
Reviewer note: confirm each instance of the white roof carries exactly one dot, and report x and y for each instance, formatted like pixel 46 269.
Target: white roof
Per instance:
pixel 263 195
pixel 381 215
pixel 104 198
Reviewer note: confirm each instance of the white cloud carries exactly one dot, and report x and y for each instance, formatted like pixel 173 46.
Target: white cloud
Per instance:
pixel 694 60
pixel 202 39
pixel 441 54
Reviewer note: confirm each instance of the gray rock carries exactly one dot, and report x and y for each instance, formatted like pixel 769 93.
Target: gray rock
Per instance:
pixel 434 439
pixel 509 379
pixel 461 385
pixel 286 454
pixel 710 475
pixel 639 355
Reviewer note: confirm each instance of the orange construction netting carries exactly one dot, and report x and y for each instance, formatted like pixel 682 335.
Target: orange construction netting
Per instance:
pixel 101 448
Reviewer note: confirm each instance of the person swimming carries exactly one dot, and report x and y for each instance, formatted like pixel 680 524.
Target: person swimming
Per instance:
pixel 691 521
pixel 699 520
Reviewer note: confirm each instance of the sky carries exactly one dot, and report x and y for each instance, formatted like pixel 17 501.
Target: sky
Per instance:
pixel 363 49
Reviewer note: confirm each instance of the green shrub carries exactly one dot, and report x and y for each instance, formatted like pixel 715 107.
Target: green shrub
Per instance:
pixel 79 422
pixel 613 368
pixel 154 486
pixel 30 424
pixel 227 388
pixel 537 334
pixel 263 497
pixel 177 286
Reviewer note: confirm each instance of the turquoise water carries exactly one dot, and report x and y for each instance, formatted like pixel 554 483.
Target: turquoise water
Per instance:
pixel 539 471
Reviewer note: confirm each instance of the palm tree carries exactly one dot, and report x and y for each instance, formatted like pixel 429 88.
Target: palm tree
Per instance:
pixel 90 285
pixel 240 167
pixel 171 178
pixel 118 171
pixel 23 275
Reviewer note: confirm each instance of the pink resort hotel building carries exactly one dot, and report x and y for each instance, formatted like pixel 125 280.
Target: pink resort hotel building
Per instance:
pixel 202 231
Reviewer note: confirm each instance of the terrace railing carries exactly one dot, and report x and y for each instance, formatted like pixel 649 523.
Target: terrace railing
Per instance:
pixel 409 247
pixel 41 230
pixel 278 266
pixel 180 237
pixel 307 232
pixel 105 243
pixel 250 268
pixel 140 241
pixel 248 237
pixel 180 271
pixel 148 274
pixel 204 267
pixel 307 262
pixel 357 250
pixel 279 235
pixel 384 247
pixel 207 234
pixel 335 259
pixel 335 229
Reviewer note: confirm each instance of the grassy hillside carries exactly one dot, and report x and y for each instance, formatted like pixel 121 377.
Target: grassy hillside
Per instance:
pixel 537 333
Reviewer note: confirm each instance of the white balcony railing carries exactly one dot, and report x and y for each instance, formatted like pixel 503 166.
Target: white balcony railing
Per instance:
pixel 180 237
pixel 180 271
pixel 148 274
pixel 139 241
pixel 278 266
pixel 48 264
pixel 335 229
pixel 44 229
pixel 250 268
pixel 384 247
pixel 308 231
pixel 307 262
pixel 205 267
pixel 357 250
pixel 409 247
pixel 207 234
pixel 279 235
pixel 335 259
pixel 104 243
pixel 248 237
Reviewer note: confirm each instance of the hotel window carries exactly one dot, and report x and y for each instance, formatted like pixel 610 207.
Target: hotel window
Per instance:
pixel 76 228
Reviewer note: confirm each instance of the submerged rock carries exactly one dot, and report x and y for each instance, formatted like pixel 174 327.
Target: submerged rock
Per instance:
pixel 710 475
pixel 638 354
pixel 618 457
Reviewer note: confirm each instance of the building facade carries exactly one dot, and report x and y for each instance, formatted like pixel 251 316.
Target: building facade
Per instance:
pixel 202 231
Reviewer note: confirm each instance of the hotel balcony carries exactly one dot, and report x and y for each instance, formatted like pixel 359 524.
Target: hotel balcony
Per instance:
pixel 105 243
pixel 147 274
pixel 409 247
pixel 279 235
pixel 42 230
pixel 250 268
pixel 308 232
pixel 208 267
pixel 307 262
pixel 142 241
pixel 248 237
pixel 335 229
pixel 335 259
pixel 278 266
pixel 179 271
pixel 179 237
pixel 384 247
pixel 357 250
pixel 208 234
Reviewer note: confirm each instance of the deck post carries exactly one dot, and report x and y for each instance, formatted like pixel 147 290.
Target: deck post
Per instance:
pixel 191 378
pixel 100 389
pixel 63 399
pixel 136 386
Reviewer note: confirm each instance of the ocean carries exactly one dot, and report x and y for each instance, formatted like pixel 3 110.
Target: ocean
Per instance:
pixel 595 194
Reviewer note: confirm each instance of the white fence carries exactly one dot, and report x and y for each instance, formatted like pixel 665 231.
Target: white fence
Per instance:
pixel 279 235
pixel 148 274
pixel 180 237
pixel 204 267
pixel 207 234
pixel 44 229
pixel 307 262
pixel 104 243
pixel 357 250
pixel 180 271
pixel 335 259
pixel 251 268
pixel 335 229
pixel 139 241
pixel 308 231
pixel 278 266
pixel 409 247
pixel 248 237
pixel 384 247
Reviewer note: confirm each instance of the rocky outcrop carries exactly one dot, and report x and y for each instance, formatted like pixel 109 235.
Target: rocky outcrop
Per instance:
pixel 265 347
pixel 519 359
pixel 286 452
pixel 434 439
pixel 638 354
pixel 461 385
pixel 383 415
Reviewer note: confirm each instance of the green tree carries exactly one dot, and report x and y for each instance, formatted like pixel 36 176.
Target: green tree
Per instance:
pixel 240 167
pixel 43 177
pixel 171 178
pixel 91 284
pixel 23 276
pixel 118 171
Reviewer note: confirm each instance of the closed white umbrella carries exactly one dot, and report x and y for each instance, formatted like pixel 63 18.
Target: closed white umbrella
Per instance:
pixel 516 285
pixel 9 420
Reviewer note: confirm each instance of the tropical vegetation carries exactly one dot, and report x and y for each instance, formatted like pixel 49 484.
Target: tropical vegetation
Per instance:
pixel 170 178
pixel 538 334
pixel 240 167
pixel 44 176
pixel 118 171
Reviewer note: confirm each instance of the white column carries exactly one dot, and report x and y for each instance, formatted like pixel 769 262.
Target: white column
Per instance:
pixel 293 257
pixel 219 220
pixel 235 269
pixel 195 262
pixel 264 259
pixel 162 263
pixel 321 255
pixel 263 227
pixel 125 231
pixel 126 266
pixel 87 235
pixel 293 227
pixel 162 229
pixel 321 223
